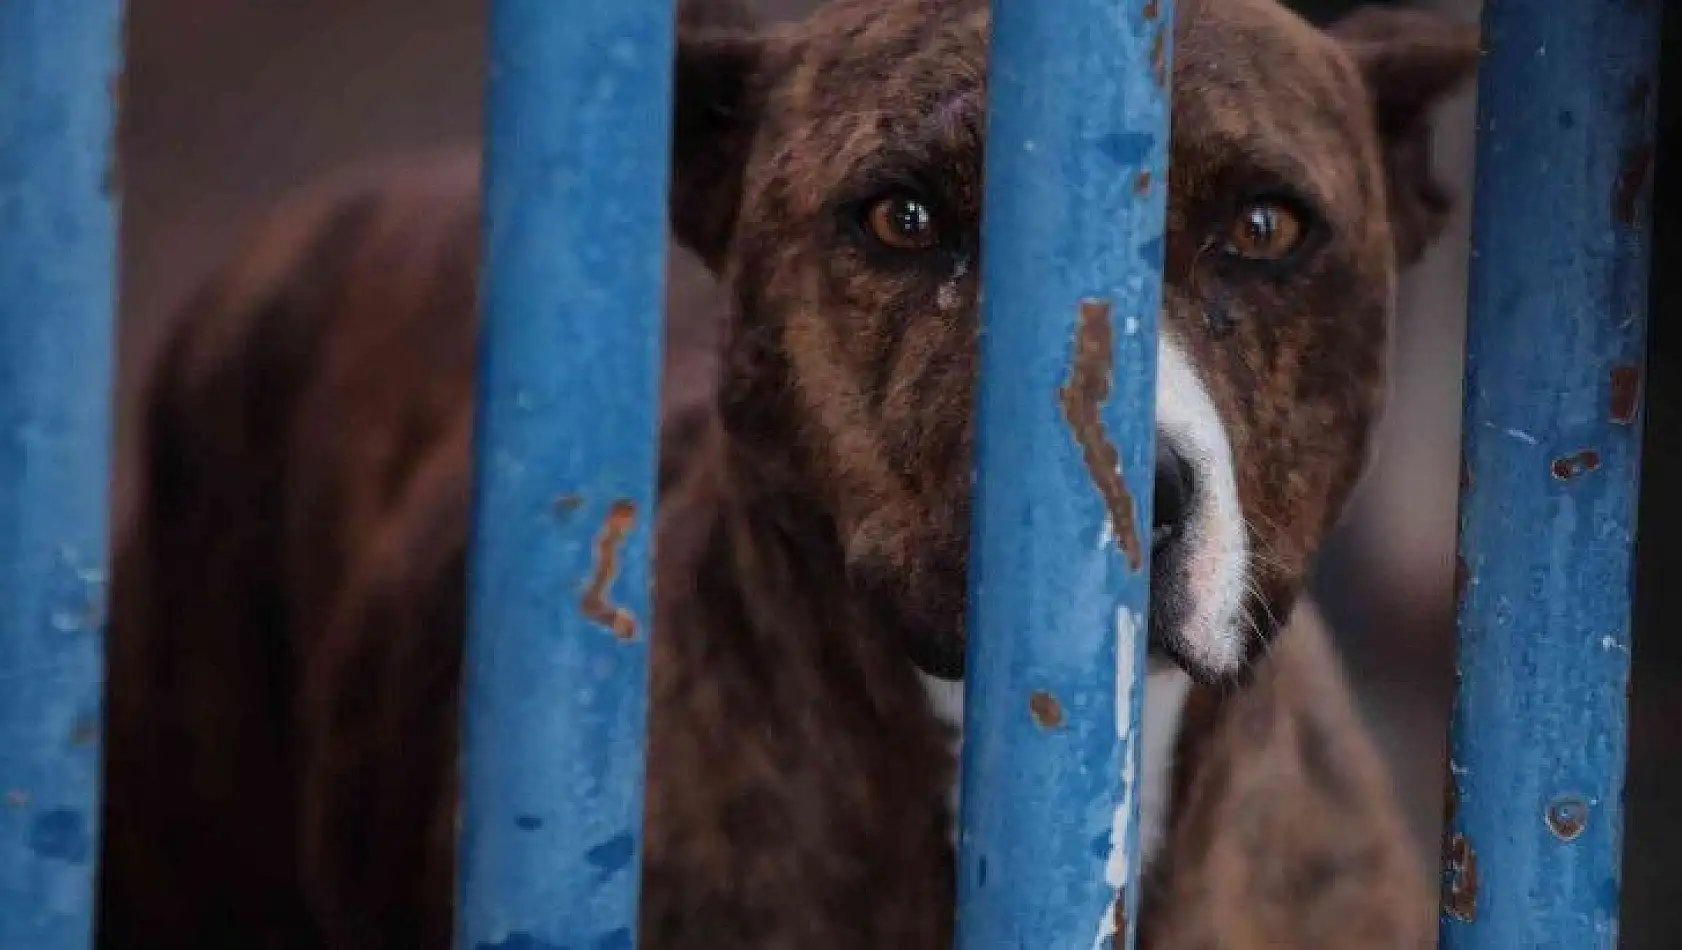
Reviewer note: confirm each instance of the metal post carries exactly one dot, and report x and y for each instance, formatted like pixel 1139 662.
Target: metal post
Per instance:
pixel 557 656
pixel 1552 453
pixel 58 62
pixel 1076 156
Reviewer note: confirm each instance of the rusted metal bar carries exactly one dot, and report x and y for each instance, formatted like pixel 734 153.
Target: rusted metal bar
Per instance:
pixel 1555 353
pixel 576 168
pixel 1076 153
pixel 58 64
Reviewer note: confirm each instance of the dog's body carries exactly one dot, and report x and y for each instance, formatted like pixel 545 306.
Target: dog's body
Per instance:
pixel 288 605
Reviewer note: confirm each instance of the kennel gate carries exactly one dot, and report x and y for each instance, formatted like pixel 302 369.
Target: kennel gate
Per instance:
pixel 575 238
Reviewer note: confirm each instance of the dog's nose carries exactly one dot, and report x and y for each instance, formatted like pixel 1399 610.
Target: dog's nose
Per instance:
pixel 1175 488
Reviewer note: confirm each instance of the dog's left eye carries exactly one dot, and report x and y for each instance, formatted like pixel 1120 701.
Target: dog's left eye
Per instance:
pixel 1266 230
pixel 901 222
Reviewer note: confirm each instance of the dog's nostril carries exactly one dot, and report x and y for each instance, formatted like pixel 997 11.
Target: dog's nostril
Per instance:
pixel 1174 484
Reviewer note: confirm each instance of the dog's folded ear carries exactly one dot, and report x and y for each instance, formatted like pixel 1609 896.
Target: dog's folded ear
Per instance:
pixel 1411 59
pixel 717 101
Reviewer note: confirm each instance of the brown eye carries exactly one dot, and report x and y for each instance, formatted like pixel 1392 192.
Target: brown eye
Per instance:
pixel 902 223
pixel 1265 231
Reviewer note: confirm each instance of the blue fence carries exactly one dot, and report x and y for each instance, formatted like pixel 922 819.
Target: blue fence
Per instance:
pixel 575 232
pixel 57 289
pixel 575 255
pixel 1076 160
pixel 1555 349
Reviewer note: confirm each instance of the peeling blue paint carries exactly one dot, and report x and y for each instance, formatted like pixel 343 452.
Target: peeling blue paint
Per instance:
pixel 1128 149
pixel 61 835
pixel 1150 251
pixel 613 855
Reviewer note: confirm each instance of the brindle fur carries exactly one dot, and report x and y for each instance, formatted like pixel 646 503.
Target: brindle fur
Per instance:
pixel 288 601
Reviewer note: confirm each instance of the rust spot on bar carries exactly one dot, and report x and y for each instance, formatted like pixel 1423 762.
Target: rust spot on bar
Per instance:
pixel 1567 817
pixel 1632 178
pixel 1142 183
pixel 1152 10
pixel 1626 393
pixel 1460 879
pixel 1047 711
pixel 1459 898
pixel 567 504
pixel 595 604
pixel 1091 367
pixel 1121 915
pixel 1574 466
pixel 1159 60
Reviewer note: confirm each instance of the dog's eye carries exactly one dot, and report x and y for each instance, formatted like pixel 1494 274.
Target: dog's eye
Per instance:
pixel 1266 230
pixel 901 222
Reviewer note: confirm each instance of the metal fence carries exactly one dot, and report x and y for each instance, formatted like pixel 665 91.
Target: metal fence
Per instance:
pixel 575 207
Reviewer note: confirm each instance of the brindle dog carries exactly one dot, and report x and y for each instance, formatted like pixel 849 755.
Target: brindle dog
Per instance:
pixel 288 602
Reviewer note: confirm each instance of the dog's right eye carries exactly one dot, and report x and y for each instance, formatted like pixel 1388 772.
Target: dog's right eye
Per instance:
pixel 1267 230
pixel 901 223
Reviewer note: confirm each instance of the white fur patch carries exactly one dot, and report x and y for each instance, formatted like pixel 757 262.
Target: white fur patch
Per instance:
pixel 1216 632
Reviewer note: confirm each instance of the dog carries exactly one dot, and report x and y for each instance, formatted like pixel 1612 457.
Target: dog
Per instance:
pixel 289 601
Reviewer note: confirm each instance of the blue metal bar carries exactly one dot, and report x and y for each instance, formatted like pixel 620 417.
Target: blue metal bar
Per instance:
pixel 1555 354
pixel 559 614
pixel 58 61
pixel 1076 154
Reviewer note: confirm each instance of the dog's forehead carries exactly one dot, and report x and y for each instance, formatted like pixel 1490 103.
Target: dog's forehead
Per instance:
pixel 1250 77
pixel 899 58
pixel 1253 78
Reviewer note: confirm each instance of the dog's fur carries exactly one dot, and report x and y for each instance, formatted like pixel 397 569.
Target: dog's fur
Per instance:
pixel 288 604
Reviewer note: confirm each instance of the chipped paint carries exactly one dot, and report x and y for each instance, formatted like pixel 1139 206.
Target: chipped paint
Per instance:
pixel 1568 817
pixel 1522 436
pixel 1460 879
pixel 596 607
pixel 1046 710
pixel 1091 367
pixel 1117 868
pixel 1625 401
pixel 1569 467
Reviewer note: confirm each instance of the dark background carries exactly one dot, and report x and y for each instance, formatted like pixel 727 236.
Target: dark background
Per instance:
pixel 231 104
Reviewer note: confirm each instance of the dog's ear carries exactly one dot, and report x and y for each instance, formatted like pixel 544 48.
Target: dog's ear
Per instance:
pixel 1411 60
pixel 717 99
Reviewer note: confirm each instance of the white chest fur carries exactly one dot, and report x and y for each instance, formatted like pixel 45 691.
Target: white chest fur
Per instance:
pixel 1166 687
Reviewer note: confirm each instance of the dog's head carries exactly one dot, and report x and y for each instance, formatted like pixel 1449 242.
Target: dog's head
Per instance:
pixel 831 172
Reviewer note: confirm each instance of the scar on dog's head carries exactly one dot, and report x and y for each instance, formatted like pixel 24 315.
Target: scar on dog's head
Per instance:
pixel 830 172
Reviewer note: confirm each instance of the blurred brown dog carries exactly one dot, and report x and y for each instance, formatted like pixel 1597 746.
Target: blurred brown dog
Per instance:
pixel 288 604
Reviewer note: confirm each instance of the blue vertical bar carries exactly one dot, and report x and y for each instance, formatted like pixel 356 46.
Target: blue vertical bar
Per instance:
pixel 1077 138
pixel 559 587
pixel 58 64
pixel 1552 452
